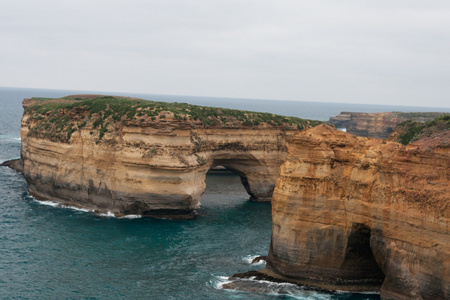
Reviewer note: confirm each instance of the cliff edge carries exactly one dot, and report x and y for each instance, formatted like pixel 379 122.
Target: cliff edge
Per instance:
pixel 361 214
pixel 132 156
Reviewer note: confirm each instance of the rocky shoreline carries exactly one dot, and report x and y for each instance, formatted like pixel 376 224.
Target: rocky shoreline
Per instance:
pixel 348 213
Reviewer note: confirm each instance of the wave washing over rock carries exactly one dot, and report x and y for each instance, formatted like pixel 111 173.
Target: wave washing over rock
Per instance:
pixel 361 214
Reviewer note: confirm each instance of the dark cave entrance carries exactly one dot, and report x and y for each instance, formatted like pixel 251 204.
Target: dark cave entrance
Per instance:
pixel 359 257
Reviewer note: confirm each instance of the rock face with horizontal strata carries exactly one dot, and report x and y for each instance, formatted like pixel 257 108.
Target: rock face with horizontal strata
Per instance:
pixel 378 125
pixel 362 214
pixel 154 168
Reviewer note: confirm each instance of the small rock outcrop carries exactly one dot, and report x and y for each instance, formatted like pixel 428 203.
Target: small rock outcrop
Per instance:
pixel 361 214
pixel 132 156
pixel 377 125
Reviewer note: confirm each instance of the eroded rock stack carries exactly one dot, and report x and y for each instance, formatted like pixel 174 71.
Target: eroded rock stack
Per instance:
pixel 352 213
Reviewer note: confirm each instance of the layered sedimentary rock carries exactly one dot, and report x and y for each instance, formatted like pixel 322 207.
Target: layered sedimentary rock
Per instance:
pixel 377 125
pixel 140 158
pixel 361 214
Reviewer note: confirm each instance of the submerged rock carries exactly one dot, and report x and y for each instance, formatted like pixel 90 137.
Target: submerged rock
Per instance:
pixel 15 164
pixel 258 259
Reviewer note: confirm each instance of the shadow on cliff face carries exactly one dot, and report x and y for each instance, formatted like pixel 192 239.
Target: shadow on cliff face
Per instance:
pixel 351 213
pixel 359 258
pixel 359 262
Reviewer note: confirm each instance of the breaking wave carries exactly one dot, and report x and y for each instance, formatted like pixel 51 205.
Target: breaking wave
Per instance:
pixel 219 281
pixel 10 137
pixel 282 290
pixel 249 258
pixel 60 205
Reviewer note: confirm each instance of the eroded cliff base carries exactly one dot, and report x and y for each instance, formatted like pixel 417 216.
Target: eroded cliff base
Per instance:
pixel 240 281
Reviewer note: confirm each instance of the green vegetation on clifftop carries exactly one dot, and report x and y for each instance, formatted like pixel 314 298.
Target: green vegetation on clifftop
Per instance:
pixel 58 119
pixel 411 131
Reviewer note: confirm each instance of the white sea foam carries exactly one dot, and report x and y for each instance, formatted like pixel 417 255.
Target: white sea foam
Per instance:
pixel 108 214
pixel 278 284
pixel 249 258
pixel 10 137
pixel 112 215
pixel 48 203
pixel 131 217
pixel 60 205
pixel 219 281
pixel 272 288
pixel 79 209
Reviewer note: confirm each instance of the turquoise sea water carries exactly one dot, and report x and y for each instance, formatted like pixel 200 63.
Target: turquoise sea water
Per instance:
pixel 50 252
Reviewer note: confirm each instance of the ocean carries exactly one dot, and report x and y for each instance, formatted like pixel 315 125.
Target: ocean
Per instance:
pixel 53 252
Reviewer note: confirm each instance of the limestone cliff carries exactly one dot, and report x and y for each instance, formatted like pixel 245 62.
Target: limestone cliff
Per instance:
pixel 352 213
pixel 131 156
pixel 377 125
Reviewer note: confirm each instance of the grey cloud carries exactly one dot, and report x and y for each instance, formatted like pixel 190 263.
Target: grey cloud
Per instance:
pixel 387 52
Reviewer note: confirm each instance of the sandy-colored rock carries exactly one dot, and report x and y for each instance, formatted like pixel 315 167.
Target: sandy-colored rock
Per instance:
pixel 352 213
pixel 154 168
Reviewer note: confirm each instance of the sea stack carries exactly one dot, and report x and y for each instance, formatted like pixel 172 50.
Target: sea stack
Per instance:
pixel 362 214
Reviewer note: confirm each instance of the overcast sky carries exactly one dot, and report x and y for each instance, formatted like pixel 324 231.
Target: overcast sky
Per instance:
pixel 373 52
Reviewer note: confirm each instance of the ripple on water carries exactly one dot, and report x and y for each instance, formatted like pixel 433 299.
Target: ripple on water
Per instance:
pixel 54 251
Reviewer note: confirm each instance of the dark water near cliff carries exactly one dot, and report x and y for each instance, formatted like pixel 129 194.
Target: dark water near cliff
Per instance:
pixel 49 252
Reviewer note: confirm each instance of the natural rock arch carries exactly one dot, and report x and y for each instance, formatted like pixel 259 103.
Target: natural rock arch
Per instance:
pixel 151 171
pixel 255 175
pixel 132 156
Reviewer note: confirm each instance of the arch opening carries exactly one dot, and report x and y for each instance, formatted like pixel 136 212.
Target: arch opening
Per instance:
pixel 241 166
pixel 359 256
pixel 242 177
pixel 221 180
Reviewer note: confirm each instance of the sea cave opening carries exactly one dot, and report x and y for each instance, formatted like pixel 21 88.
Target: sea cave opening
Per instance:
pixel 359 257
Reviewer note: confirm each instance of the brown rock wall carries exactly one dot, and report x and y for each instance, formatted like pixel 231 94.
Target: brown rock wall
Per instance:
pixel 149 170
pixel 353 213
